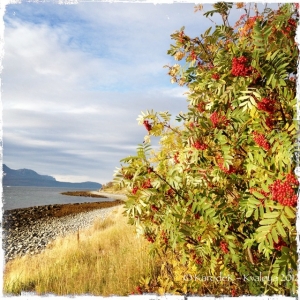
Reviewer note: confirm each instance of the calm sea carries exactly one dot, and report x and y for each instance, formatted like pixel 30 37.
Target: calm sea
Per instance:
pixel 27 196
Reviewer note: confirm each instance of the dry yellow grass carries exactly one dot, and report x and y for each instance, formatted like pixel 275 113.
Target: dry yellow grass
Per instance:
pixel 108 259
pixel 114 189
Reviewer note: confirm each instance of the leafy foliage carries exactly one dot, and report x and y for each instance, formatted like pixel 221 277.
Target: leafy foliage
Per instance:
pixel 219 196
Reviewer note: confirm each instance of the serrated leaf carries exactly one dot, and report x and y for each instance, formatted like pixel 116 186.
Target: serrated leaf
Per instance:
pixel 280 229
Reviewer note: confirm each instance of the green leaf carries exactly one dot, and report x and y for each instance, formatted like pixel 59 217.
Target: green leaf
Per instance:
pixel 285 221
pixel 271 215
pixel 267 221
pixel 258 195
pixel 280 229
pixel 270 239
pixel 264 228
pixel 274 235
pixel 249 213
pixel 290 213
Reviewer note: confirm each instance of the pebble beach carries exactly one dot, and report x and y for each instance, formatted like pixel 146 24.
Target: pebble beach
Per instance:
pixel 30 230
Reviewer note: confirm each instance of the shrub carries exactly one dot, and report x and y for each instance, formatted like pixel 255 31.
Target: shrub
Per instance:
pixel 219 196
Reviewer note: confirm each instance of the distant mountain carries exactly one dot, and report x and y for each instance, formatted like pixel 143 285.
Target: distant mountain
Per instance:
pixel 26 177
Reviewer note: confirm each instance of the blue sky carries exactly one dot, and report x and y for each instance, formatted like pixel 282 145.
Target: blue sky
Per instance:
pixel 76 77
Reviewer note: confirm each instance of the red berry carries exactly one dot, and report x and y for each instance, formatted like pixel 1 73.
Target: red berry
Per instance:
pixel 170 192
pixel 154 208
pixel 224 247
pixel 283 191
pixel 200 146
pixel 201 107
pixel 134 190
pixel 240 67
pixel 266 105
pixel 261 140
pixel 233 292
pixel 217 120
pixel 147 125
pixel 281 243
pixel 215 76
pixel 147 184
pixel 176 160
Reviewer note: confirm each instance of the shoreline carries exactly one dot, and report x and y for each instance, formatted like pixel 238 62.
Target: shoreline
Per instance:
pixel 30 230
pixel 109 195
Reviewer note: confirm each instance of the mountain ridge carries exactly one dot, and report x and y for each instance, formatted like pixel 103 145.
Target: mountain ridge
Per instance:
pixel 28 177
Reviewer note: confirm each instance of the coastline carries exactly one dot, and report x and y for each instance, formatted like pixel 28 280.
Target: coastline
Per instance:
pixel 110 195
pixel 30 230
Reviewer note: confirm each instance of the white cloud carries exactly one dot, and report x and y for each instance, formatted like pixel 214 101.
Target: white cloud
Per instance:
pixel 76 78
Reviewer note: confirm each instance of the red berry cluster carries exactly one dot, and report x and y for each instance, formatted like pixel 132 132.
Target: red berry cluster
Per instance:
pixel 128 176
pixel 150 238
pixel 292 179
pixel 154 208
pixel 164 236
pixel 153 220
pixel 170 192
pixel 220 161
pixel 147 184
pixel 198 261
pixel 147 125
pixel 193 125
pixel 224 247
pixel 225 170
pixel 292 24
pixel 217 120
pixel 199 238
pixel 233 292
pixel 176 160
pixel 281 243
pixel 266 105
pixel 150 170
pixel 200 146
pixel 283 192
pixel 193 55
pixel 240 67
pixel 195 258
pixel 261 141
pixel 138 290
pixel 270 122
pixel 201 107
pixel 215 76
pixel 134 190
pixel 181 35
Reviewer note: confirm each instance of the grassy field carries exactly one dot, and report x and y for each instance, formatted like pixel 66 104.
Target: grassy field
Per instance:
pixel 107 258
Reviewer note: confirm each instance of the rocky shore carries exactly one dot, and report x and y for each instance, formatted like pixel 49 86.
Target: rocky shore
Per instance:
pixel 29 230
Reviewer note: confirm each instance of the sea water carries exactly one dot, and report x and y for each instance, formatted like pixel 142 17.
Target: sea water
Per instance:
pixel 28 196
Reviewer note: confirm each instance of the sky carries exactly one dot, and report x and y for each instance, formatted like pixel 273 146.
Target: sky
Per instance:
pixel 76 77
